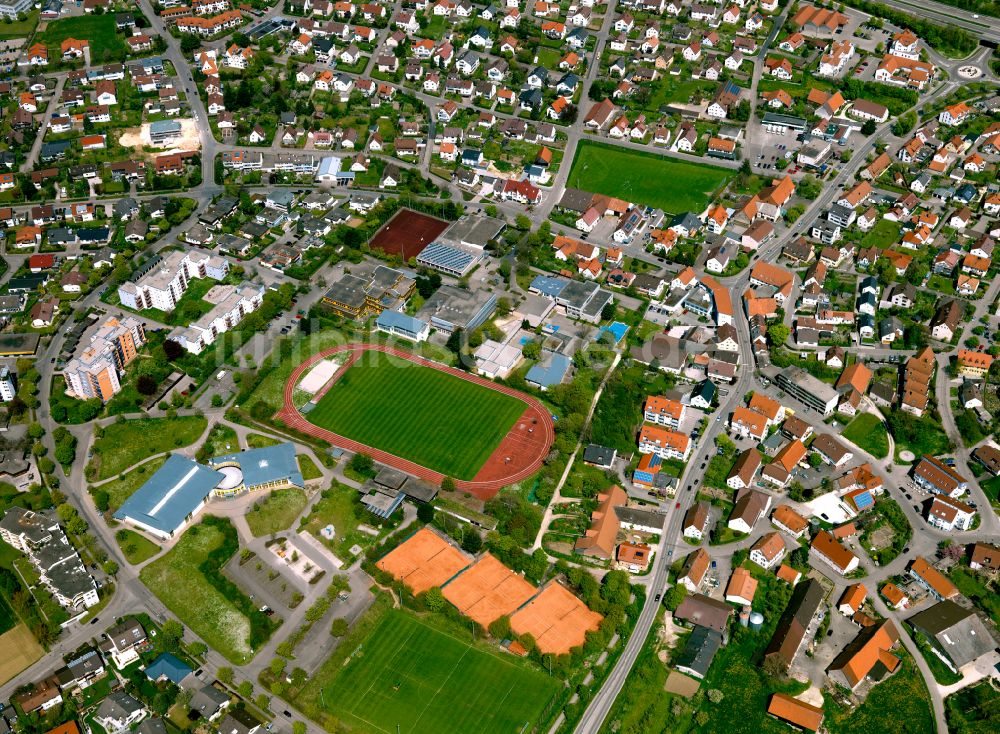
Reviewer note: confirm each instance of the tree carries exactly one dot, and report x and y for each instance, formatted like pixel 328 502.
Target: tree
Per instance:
pixel 110 568
pixel 298 727
pixel 435 599
pixel 673 598
pixel 339 627
pixel 715 695
pixel 277 666
pixel 608 312
pixel 869 127
pixel 172 350
pixel 198 649
pixel 809 187
pixel 190 43
pixel 472 542
pixel 447 484
pixel 36 431
pixel 225 674
pixel 171 635
pixel 500 628
pixel 245 689
pixel 454 343
pixel 362 463
pixel 217 401
pixel 102 500
pixel 531 350
pixel 522 223
pixel 778 333
pixel 425 513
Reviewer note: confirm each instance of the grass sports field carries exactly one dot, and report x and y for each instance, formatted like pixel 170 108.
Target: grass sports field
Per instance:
pixel 644 178
pixel 427 416
pixel 424 680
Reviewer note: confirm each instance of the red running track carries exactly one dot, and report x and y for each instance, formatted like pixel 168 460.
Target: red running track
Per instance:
pixel 519 455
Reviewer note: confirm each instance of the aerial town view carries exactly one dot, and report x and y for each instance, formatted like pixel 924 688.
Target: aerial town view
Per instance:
pixel 499 366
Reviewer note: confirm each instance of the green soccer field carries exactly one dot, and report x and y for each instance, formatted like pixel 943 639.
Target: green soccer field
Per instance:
pixel 672 185
pixel 427 416
pixel 424 680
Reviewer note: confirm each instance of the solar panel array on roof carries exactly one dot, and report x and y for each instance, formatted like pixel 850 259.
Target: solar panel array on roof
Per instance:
pixel 448 258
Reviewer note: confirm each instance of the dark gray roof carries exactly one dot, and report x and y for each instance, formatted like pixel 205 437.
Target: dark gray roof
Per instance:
pixel 699 650
pixel 957 632
pixel 600 455
pixel 704 611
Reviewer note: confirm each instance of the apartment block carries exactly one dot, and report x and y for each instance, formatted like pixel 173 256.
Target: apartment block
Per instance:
pixel 162 285
pixel 232 304
pixel 96 371
pixel 59 566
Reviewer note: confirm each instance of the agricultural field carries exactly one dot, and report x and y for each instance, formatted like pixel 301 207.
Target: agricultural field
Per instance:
pixel 408 673
pixel 188 581
pixel 644 178
pixel 867 432
pixel 126 443
pixel 427 416
pixel 21 649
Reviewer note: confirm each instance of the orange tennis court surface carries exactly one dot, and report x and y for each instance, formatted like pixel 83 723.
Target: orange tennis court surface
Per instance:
pixel 423 561
pixel 487 590
pixel 556 619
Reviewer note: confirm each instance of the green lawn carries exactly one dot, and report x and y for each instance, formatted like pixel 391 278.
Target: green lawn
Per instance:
pixel 644 178
pixel 120 490
pixel 921 435
pixel 427 416
pixel 975 589
pixel 105 43
pixel 276 511
pixel 868 432
pixel 339 506
pixel 188 582
pixel 17 28
pixel 221 440
pixel 410 674
pixel 884 234
pixel 136 548
pixel 128 442
pixel 257 441
pixel 974 710
pixel 899 704
pixel 308 468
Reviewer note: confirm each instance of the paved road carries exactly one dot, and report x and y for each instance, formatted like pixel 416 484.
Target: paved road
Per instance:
pixel 983 27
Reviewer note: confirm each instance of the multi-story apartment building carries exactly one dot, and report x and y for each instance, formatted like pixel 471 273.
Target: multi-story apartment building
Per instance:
pixel 59 566
pixel 162 285
pixel 664 443
pixel 96 371
pixel 224 316
pixel 664 411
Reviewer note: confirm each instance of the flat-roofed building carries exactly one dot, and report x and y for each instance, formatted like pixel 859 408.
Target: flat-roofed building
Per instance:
pixel 358 297
pixel 805 388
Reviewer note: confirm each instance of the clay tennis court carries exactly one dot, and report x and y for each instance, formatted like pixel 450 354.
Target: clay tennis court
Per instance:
pixel 407 233
pixel 488 590
pixel 556 619
pixel 518 455
pixel 423 561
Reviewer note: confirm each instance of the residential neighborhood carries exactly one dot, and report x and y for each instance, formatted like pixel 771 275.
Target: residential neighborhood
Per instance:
pixel 460 366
